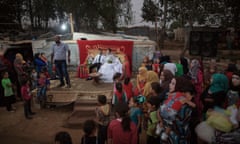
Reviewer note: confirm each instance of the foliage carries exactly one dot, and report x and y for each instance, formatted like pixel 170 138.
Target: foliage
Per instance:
pixel 151 11
pixel 86 14
pixel 109 14
pixel 225 13
pixel 9 9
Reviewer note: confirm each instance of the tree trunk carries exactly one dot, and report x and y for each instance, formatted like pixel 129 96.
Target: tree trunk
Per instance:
pixel 31 13
pixel 46 25
pixel 77 23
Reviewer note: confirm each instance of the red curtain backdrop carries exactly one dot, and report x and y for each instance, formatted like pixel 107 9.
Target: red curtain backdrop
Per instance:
pixel 119 46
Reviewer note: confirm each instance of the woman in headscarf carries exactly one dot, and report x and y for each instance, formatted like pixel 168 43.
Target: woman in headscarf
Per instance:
pixel 175 112
pixel 196 76
pixel 151 77
pixel 215 94
pixel 165 79
pixel 141 80
pixel 19 68
pixel 233 94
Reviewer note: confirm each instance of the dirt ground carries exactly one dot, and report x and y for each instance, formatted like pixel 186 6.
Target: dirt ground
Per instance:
pixel 14 128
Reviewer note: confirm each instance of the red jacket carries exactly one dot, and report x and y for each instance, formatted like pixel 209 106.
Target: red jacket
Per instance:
pixel 26 93
pixel 129 90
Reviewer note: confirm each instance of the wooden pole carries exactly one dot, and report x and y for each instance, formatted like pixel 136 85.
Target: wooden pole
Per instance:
pixel 71 23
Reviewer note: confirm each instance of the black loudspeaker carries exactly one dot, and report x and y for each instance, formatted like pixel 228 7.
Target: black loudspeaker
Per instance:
pixel 203 43
pixel 195 43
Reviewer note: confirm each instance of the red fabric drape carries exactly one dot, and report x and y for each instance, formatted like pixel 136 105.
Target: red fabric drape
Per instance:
pixel 92 46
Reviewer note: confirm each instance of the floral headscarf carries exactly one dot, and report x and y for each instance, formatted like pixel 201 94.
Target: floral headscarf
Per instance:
pixel 195 67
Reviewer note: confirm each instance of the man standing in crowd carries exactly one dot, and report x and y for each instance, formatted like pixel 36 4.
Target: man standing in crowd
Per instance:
pixel 59 50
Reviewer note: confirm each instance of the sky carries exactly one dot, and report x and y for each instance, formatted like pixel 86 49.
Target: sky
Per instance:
pixel 137 11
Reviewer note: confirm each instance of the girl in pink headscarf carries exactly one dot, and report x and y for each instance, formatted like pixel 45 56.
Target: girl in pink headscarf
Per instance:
pixel 196 76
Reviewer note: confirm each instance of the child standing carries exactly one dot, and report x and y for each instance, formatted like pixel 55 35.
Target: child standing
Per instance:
pixel 152 105
pixel 156 65
pixel 27 96
pixel 47 75
pixel 136 113
pixel 103 118
pixel 122 130
pixel 8 92
pixel 42 89
pixel 128 87
pixel 34 77
pixel 119 95
pixel 90 132
pixel 141 80
pixel 116 79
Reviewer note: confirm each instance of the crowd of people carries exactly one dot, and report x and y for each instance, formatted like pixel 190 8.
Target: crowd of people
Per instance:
pixel 172 102
pixel 35 75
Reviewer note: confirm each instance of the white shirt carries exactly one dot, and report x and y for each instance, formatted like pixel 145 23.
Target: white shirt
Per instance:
pixel 60 51
pixel 99 59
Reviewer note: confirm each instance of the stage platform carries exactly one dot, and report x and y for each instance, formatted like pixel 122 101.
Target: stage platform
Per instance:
pixel 80 90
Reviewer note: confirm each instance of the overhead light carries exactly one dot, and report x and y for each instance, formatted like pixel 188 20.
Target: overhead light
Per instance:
pixel 64 27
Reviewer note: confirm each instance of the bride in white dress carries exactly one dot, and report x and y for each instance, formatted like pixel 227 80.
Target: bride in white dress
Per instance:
pixel 111 66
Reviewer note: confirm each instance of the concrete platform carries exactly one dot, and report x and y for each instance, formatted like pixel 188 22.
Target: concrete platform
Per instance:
pixel 80 90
